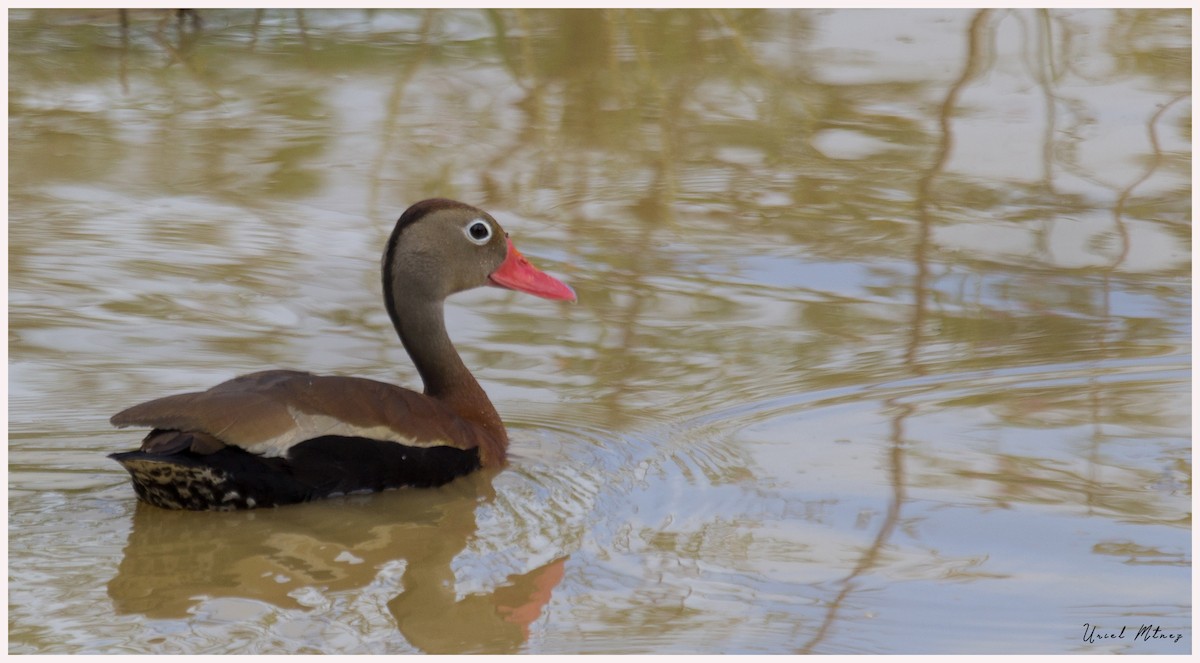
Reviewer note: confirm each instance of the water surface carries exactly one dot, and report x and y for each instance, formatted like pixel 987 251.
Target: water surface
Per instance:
pixel 882 342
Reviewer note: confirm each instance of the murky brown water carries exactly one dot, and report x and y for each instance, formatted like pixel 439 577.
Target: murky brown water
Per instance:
pixel 883 340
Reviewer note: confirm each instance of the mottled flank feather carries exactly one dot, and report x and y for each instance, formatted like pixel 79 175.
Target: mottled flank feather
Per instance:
pixel 232 478
pixel 169 484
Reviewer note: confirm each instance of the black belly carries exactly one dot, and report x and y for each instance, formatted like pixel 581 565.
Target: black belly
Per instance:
pixel 233 478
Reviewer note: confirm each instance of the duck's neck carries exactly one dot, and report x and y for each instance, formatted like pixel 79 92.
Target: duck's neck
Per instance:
pixel 422 329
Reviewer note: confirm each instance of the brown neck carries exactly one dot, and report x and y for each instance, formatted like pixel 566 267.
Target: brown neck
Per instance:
pixel 422 329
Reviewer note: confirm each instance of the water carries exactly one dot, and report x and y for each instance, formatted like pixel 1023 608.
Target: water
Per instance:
pixel 883 340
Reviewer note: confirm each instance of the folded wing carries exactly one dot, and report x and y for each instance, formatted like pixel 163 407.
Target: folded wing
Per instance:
pixel 270 412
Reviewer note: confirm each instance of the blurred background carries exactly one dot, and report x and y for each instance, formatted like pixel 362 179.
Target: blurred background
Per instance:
pixel 882 342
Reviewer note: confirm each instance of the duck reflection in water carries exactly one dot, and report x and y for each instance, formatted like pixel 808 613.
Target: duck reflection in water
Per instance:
pixel 176 560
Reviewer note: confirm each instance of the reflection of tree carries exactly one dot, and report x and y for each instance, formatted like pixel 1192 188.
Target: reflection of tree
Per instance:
pixel 1157 159
pixel 173 560
pixel 390 139
pixel 925 195
pixel 673 149
pixel 916 332
pixel 618 119
pixel 870 557
pixel 1015 478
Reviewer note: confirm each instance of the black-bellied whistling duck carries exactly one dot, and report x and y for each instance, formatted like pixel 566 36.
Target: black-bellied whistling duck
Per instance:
pixel 279 437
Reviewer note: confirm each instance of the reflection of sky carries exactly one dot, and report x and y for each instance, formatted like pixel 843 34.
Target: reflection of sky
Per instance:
pixel 893 46
pixel 843 278
pixel 966 556
pixel 862 282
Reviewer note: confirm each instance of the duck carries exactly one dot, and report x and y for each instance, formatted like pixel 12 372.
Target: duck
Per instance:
pixel 279 437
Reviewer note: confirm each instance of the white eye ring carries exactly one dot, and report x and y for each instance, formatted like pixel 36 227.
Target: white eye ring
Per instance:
pixel 478 231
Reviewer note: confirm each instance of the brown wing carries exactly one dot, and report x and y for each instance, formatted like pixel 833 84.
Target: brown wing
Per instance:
pixel 269 412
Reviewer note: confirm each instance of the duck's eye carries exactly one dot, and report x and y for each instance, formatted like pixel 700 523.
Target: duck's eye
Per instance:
pixel 479 232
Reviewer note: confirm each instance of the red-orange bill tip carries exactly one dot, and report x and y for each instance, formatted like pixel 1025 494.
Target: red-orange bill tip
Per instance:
pixel 517 273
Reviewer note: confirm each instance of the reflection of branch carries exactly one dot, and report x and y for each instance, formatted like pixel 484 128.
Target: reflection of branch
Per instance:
pixel 1043 71
pixel 123 66
pixel 871 555
pixel 925 186
pixel 392 113
pixel 721 18
pixel 896 457
pixel 180 54
pixel 254 24
pixel 532 132
pixel 1096 387
pixel 1119 208
pixel 303 29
